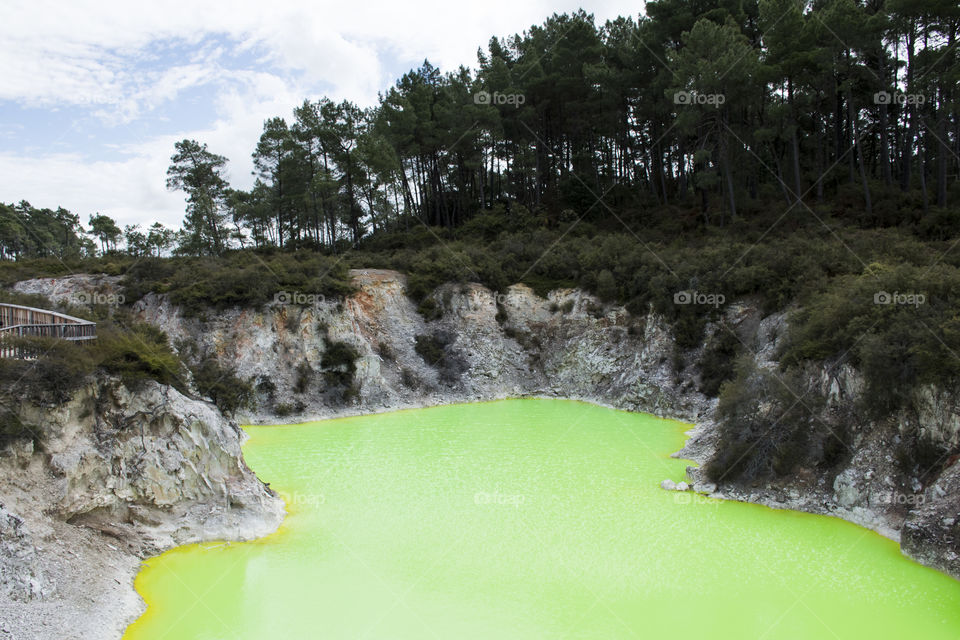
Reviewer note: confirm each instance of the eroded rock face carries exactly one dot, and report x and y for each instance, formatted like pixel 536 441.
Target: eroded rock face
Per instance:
pixel 21 576
pixel 931 533
pixel 118 474
pixel 77 289
pixel 496 344
pixel 167 466
pixel 515 343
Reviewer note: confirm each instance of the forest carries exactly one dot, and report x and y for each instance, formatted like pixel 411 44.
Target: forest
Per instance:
pixel 704 111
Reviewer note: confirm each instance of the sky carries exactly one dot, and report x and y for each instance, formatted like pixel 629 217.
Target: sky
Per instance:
pixel 95 93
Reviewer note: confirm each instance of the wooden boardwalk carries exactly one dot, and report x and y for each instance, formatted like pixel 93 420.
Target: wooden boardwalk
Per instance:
pixel 19 321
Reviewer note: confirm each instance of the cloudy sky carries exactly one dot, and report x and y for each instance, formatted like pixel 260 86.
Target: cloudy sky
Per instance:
pixel 95 93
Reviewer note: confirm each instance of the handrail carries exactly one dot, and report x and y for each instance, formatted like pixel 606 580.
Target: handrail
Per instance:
pixel 21 321
pixel 65 331
pixel 9 312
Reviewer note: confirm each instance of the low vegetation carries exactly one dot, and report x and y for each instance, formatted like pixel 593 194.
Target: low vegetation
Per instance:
pixel 339 364
pixel 221 384
pixel 770 425
pixel 242 278
pixel 436 351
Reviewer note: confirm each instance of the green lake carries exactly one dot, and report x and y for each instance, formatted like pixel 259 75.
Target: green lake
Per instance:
pixel 526 519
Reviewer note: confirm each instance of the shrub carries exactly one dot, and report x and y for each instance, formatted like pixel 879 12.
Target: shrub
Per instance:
pixel 136 353
pixel 429 309
pixel 717 364
pixel 437 352
pixel 922 456
pixel 768 425
pixel 12 428
pixel 59 368
pixel 340 363
pixel 410 379
pixel 239 278
pixel 430 348
pixel 385 351
pixel 897 346
pixel 304 377
pixel 223 386
pixel 607 288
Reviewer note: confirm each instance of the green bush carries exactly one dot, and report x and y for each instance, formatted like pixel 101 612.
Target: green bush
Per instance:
pixel 340 363
pixel 60 367
pixel 137 352
pixel 429 309
pixel 304 377
pixel 240 278
pixel 921 456
pixel 607 288
pixel 223 386
pixel 436 351
pixel 430 348
pixel 769 425
pixel 717 364
pixel 897 345
pixel 12 428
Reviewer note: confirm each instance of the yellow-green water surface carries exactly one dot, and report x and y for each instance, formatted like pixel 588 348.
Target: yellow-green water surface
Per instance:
pixel 527 519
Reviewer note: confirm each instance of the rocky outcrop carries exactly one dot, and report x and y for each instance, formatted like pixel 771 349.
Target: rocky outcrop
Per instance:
pixel 931 533
pixel 495 344
pixel 80 289
pixel 119 474
pixel 487 344
pixel 22 578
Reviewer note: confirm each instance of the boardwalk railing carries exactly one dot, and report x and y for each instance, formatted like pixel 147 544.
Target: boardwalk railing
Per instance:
pixel 29 322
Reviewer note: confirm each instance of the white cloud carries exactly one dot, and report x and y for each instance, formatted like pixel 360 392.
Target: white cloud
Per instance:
pixel 74 55
pixel 127 190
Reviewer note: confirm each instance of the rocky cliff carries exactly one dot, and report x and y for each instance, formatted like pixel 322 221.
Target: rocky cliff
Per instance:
pixel 117 475
pixel 480 344
pixel 484 345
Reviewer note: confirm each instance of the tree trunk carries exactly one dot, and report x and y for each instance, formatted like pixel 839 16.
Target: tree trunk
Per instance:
pixel 944 150
pixel 867 201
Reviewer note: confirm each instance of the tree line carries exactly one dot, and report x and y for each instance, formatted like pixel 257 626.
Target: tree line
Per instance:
pixel 702 103
pixel 706 106
pixel 28 232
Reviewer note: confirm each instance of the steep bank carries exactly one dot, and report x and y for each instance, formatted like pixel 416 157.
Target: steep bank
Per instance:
pixel 481 344
pixel 484 345
pixel 114 475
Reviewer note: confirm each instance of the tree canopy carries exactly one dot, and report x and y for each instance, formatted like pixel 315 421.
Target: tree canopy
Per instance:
pixel 712 105
pixel 699 109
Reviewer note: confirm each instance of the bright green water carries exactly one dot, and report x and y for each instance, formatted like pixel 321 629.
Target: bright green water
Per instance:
pixel 527 519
